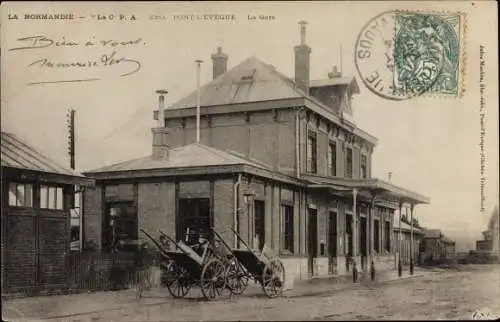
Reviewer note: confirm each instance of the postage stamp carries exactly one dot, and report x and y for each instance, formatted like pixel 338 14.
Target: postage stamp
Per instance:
pixel 403 54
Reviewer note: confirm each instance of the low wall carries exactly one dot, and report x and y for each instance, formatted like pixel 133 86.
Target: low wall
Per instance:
pixel 295 269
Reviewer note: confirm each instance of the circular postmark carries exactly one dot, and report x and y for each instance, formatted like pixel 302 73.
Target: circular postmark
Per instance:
pixel 400 54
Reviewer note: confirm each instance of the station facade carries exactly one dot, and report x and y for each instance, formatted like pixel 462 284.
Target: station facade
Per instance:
pixel 280 160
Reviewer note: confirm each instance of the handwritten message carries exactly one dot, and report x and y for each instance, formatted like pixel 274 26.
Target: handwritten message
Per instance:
pixel 110 60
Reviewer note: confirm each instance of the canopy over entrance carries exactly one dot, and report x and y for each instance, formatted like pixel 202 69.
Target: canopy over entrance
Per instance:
pixel 368 188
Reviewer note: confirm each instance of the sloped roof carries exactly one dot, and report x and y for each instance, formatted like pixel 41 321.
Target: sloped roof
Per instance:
pixel 433 233
pixel 192 155
pixel 405 226
pixel 250 81
pixel 446 240
pixel 335 81
pixel 15 153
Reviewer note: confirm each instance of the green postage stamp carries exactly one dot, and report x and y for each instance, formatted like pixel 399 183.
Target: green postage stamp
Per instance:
pixel 403 54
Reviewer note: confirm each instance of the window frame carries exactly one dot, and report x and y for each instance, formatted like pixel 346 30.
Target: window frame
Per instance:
pixel 58 194
pixel 348 173
pixel 332 158
pixel 16 184
pixel 363 166
pixel 312 152
pixel 288 229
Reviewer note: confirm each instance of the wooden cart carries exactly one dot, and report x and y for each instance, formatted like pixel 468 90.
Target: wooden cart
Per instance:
pixel 187 268
pixel 266 269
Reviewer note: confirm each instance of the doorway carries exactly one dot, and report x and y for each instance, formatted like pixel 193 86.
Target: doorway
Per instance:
pixel 332 241
pixel 259 223
pixel 312 228
pixel 364 240
pixel 194 220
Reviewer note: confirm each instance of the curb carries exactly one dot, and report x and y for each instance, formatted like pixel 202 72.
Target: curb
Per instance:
pixel 347 286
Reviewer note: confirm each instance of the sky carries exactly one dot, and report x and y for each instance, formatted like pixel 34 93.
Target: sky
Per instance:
pixel 430 144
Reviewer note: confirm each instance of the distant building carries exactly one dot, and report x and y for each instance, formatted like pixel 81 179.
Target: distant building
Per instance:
pixel 431 244
pixel 448 250
pixel 491 236
pixel 36 201
pixel 435 246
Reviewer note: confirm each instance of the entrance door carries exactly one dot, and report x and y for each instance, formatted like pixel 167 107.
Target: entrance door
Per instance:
pixel 312 238
pixel 259 222
pixel 332 241
pixel 193 217
pixel 363 238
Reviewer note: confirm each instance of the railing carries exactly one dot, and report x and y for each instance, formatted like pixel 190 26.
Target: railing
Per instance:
pixel 96 271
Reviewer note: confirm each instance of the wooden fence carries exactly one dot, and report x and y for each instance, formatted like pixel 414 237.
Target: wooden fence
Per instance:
pixel 95 271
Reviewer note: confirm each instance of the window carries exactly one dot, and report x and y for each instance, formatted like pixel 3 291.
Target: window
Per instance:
pixel 348 163
pixel 363 166
pixel 376 236
pixel 332 159
pixel 121 227
pixel 259 223
pixel 20 194
pixel 387 236
pixel 51 197
pixel 311 153
pixel 287 212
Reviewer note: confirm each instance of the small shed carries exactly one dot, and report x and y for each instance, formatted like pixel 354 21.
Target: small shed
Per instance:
pixel 37 195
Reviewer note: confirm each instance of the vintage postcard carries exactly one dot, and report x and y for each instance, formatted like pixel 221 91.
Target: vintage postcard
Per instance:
pixel 185 161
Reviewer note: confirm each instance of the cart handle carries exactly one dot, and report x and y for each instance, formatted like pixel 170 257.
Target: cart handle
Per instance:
pixel 172 240
pixel 219 237
pixel 157 244
pixel 241 239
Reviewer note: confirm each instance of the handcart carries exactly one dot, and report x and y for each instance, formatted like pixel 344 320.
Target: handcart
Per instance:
pixel 188 268
pixel 236 274
pixel 266 269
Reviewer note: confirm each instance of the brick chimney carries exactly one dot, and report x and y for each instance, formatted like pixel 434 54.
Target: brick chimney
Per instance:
pixel 160 146
pixel 302 58
pixel 219 60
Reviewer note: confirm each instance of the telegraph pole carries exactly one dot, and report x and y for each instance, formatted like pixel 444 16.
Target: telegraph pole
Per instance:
pixel 71 137
pixel 75 203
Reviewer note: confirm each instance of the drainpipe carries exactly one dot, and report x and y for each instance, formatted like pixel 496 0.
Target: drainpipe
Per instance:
pixel 297 143
pixel 236 208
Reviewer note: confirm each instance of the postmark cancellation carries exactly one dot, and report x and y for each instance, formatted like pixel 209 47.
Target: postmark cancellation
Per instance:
pixel 404 54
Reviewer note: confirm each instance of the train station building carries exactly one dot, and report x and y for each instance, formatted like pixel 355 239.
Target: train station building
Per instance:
pixel 280 160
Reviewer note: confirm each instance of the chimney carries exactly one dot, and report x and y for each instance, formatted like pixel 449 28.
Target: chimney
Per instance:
pixel 335 73
pixel 219 60
pixel 160 146
pixel 302 54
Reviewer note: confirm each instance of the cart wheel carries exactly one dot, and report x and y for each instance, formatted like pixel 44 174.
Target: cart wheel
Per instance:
pixel 178 280
pixel 213 279
pixel 236 278
pixel 273 278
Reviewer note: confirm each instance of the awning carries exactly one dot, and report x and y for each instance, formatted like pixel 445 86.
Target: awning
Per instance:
pixel 367 188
